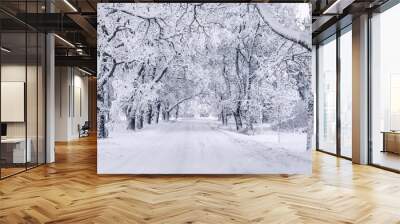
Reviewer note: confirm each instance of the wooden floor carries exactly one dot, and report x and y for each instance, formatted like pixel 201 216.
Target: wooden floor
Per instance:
pixel 5 172
pixel 387 159
pixel 70 191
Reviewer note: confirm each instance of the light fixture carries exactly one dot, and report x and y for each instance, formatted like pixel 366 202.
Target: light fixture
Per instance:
pixel 84 71
pixel 5 50
pixel 80 51
pixel 337 7
pixel 64 40
pixel 70 5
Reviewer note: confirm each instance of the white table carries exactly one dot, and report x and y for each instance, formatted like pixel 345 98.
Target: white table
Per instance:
pixel 19 154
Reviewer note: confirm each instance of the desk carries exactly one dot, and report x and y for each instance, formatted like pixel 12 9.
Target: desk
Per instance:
pixel 13 150
pixel 391 141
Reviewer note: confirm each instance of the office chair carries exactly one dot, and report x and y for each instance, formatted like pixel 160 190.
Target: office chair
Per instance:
pixel 84 130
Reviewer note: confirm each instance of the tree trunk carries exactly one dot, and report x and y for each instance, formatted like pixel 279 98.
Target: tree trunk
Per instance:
pixel 103 133
pixel 310 127
pixel 132 123
pixel 149 114
pixel 177 112
pixel 158 112
pixel 249 121
pixel 279 124
pixel 224 117
pixel 102 127
pixel 238 121
pixel 237 116
pixel 249 118
pixel 166 112
pixel 140 125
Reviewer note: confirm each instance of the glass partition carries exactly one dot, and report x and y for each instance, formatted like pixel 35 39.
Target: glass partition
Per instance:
pixel 31 99
pixel 14 155
pixel 22 77
pixel 385 89
pixel 327 96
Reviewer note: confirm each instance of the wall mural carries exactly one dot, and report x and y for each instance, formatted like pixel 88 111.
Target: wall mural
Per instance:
pixel 204 88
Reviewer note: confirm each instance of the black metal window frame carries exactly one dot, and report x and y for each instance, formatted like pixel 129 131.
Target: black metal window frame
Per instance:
pixel 334 37
pixel 387 5
pixel 381 9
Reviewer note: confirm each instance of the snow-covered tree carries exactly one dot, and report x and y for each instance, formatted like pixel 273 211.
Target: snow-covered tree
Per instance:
pixel 249 62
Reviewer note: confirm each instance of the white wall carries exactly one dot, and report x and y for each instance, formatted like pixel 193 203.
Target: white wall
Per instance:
pixel 62 81
pixel 79 111
pixel 71 94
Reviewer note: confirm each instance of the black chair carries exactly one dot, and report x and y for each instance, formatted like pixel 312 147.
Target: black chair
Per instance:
pixel 84 130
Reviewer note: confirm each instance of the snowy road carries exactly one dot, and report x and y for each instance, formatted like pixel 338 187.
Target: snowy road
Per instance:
pixel 194 147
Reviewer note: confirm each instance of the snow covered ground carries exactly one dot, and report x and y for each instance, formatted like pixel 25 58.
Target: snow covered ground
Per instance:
pixel 200 146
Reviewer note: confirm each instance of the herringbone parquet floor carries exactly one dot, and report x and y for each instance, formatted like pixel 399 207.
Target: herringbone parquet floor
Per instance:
pixel 70 191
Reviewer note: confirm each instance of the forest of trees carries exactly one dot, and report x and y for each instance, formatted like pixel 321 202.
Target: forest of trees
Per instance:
pixel 250 62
